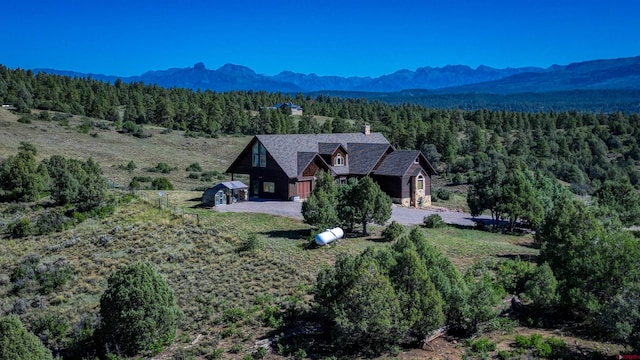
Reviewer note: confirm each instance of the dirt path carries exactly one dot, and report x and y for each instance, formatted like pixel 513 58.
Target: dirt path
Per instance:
pixel 404 216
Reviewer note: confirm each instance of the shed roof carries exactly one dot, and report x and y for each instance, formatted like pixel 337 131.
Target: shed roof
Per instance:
pixel 232 185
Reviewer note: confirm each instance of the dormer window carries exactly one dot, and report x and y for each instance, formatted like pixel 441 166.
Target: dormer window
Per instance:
pixel 338 160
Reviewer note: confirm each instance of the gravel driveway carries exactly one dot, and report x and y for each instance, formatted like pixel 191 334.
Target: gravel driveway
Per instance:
pixel 403 215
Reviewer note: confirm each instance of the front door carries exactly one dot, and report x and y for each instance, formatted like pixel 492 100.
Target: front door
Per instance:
pixel 256 188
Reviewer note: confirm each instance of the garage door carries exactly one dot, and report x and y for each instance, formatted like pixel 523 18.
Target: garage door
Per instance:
pixel 304 188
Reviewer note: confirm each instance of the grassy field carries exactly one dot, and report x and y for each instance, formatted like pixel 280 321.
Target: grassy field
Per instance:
pixel 113 150
pixel 231 298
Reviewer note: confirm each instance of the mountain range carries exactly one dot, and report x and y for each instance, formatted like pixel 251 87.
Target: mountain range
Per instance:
pixel 621 73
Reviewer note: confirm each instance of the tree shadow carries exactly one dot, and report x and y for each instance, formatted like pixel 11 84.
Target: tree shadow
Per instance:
pixel 296 234
pixel 310 333
pixel 522 257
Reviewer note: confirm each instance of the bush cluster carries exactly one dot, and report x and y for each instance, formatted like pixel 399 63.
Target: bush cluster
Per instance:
pixel 433 221
pixel 138 310
pixel 380 296
pixel 32 275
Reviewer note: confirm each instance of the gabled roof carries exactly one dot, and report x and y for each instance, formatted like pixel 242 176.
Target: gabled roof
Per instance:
pixel 285 148
pixel 363 157
pixel 398 162
pixel 305 158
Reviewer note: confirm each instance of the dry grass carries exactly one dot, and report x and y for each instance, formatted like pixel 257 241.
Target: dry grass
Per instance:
pixel 112 149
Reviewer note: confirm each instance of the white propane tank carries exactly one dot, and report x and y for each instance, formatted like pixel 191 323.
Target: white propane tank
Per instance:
pixel 329 235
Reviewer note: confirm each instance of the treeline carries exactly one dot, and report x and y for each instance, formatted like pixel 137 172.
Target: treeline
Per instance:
pixel 605 100
pixel 76 187
pixel 584 149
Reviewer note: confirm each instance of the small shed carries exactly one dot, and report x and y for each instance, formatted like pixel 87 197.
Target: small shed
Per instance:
pixel 225 193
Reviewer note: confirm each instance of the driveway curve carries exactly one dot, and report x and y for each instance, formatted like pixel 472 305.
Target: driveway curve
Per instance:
pixel 402 215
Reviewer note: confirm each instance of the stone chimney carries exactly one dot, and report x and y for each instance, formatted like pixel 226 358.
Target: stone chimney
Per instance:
pixel 366 129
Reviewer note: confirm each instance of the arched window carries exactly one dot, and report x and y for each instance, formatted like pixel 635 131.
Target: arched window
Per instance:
pixel 420 182
pixel 338 160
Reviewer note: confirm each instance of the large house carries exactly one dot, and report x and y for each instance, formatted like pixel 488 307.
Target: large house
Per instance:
pixel 285 166
pixel 289 108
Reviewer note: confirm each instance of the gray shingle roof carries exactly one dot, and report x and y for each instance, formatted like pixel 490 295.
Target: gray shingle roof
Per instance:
pixel 397 163
pixel 327 148
pixel 363 157
pixel 285 148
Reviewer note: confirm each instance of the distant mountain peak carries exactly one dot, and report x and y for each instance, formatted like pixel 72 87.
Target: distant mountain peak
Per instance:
pixel 236 69
pixel 596 74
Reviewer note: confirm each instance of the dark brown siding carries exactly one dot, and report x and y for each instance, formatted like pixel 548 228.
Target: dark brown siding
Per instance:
pixel 311 170
pixel 281 186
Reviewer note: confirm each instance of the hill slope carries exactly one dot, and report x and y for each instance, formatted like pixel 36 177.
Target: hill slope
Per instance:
pixel 112 150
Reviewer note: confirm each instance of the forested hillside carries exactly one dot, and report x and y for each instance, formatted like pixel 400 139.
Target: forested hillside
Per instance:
pixel 584 149
pixel 227 277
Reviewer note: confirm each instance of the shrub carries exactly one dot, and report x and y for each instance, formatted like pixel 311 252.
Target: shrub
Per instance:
pixel 129 167
pixel 51 328
pixel 161 183
pixel 87 124
pixel 49 277
pixel 393 231
pixel 20 228
pixel 433 221
pixel 25 119
pixel 513 275
pixel 18 343
pixel 250 244
pixel 483 345
pixel 138 311
pixel 161 167
pixel 458 179
pixel 523 342
pixel 542 287
pixel 194 167
pixel 443 194
pixel 44 116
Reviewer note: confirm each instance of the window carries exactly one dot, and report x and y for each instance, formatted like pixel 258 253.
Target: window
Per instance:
pixel 338 161
pixel 420 183
pixel 259 155
pixel 269 187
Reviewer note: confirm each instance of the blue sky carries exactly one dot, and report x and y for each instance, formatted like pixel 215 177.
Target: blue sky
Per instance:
pixel 346 38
